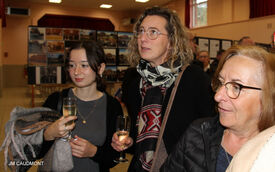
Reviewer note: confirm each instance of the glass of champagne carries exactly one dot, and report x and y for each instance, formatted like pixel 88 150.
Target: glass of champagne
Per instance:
pixel 69 109
pixel 122 131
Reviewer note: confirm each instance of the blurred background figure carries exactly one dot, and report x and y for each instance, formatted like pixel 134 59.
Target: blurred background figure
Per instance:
pixel 214 64
pixel 203 57
pixel 246 40
pixel 193 44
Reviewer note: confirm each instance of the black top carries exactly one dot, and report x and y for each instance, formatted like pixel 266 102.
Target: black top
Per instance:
pixel 198 148
pixel 193 100
pixel 105 154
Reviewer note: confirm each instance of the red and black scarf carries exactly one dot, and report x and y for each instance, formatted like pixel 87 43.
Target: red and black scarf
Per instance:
pixel 153 85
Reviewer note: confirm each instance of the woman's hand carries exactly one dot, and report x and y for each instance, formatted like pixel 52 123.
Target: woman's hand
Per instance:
pixel 58 128
pixel 82 148
pixel 120 146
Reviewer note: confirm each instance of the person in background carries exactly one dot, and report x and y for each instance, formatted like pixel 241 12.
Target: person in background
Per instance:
pixel 193 44
pixel 159 49
pixel 244 85
pixel 246 40
pixel 214 64
pixel 96 111
pixel 203 57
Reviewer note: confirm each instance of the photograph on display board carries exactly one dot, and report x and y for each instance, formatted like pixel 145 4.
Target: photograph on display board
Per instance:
pixel 37 46
pixel 54 34
pixel 87 35
pixel 48 74
pixel 36 33
pixel 110 73
pixel 121 72
pixel 107 39
pixel 55 46
pixel 123 39
pixel 55 59
pixel 122 56
pixel 71 34
pixel 110 56
pixel 37 59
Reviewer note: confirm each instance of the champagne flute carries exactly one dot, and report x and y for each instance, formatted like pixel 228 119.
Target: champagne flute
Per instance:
pixel 122 131
pixel 69 109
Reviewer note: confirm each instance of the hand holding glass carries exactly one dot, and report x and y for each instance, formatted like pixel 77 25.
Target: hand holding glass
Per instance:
pixel 122 131
pixel 69 109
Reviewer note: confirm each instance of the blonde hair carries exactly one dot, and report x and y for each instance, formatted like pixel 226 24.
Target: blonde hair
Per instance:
pixel 178 37
pixel 267 75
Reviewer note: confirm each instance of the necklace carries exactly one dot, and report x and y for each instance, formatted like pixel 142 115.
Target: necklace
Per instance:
pixel 84 121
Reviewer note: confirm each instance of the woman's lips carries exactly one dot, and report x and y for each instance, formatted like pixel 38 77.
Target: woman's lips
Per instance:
pixel 78 79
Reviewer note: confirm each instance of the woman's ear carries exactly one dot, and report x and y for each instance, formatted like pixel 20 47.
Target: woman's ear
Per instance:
pixel 101 69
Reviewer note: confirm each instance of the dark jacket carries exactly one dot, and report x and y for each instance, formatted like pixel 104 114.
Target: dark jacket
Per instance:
pixel 193 100
pixel 197 149
pixel 105 154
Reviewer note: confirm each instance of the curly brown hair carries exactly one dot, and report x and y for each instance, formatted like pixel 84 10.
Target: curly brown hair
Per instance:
pixel 177 35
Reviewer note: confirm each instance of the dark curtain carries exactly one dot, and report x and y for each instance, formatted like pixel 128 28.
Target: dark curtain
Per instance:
pixel 260 8
pixel 187 13
pixel 2 13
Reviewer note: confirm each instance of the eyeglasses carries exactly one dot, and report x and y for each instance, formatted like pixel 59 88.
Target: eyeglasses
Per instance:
pixel 151 33
pixel 233 89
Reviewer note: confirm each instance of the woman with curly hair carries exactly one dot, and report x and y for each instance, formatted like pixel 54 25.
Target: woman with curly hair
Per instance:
pixel 159 49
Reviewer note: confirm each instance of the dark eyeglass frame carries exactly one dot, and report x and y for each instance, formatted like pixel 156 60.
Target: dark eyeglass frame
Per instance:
pixel 234 84
pixel 139 33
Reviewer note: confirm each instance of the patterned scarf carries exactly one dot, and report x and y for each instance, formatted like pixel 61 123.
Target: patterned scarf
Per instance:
pixel 154 82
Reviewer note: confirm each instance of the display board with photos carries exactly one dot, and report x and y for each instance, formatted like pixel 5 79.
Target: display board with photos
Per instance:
pixel 47 49
pixel 213 45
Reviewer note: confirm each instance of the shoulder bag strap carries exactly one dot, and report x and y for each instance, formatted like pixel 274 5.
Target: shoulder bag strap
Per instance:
pixel 156 165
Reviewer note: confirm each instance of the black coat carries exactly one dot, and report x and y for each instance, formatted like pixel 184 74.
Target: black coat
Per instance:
pixel 193 100
pixel 105 154
pixel 198 148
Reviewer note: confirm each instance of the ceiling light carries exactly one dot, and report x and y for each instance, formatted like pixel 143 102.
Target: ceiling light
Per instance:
pixel 55 1
pixel 105 6
pixel 142 1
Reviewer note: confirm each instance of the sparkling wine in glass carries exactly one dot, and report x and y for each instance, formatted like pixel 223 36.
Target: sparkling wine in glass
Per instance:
pixel 122 131
pixel 69 109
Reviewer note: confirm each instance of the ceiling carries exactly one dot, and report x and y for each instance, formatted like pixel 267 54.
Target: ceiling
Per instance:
pixel 121 5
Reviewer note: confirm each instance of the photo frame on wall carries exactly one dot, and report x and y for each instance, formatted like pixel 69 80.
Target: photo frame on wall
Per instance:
pixel 214 48
pixel 54 34
pixel 123 39
pixel 70 34
pixel 35 59
pixel 110 73
pixel 37 46
pixel 55 59
pixel 36 33
pixel 107 39
pixel 110 54
pixel 203 44
pixel 87 35
pixel 55 46
pixel 122 57
pixel 226 44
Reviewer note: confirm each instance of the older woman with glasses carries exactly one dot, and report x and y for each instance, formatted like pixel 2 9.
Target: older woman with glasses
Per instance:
pixel 244 85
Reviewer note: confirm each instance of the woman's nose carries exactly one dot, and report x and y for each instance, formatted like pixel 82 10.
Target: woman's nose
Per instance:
pixel 77 69
pixel 220 94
